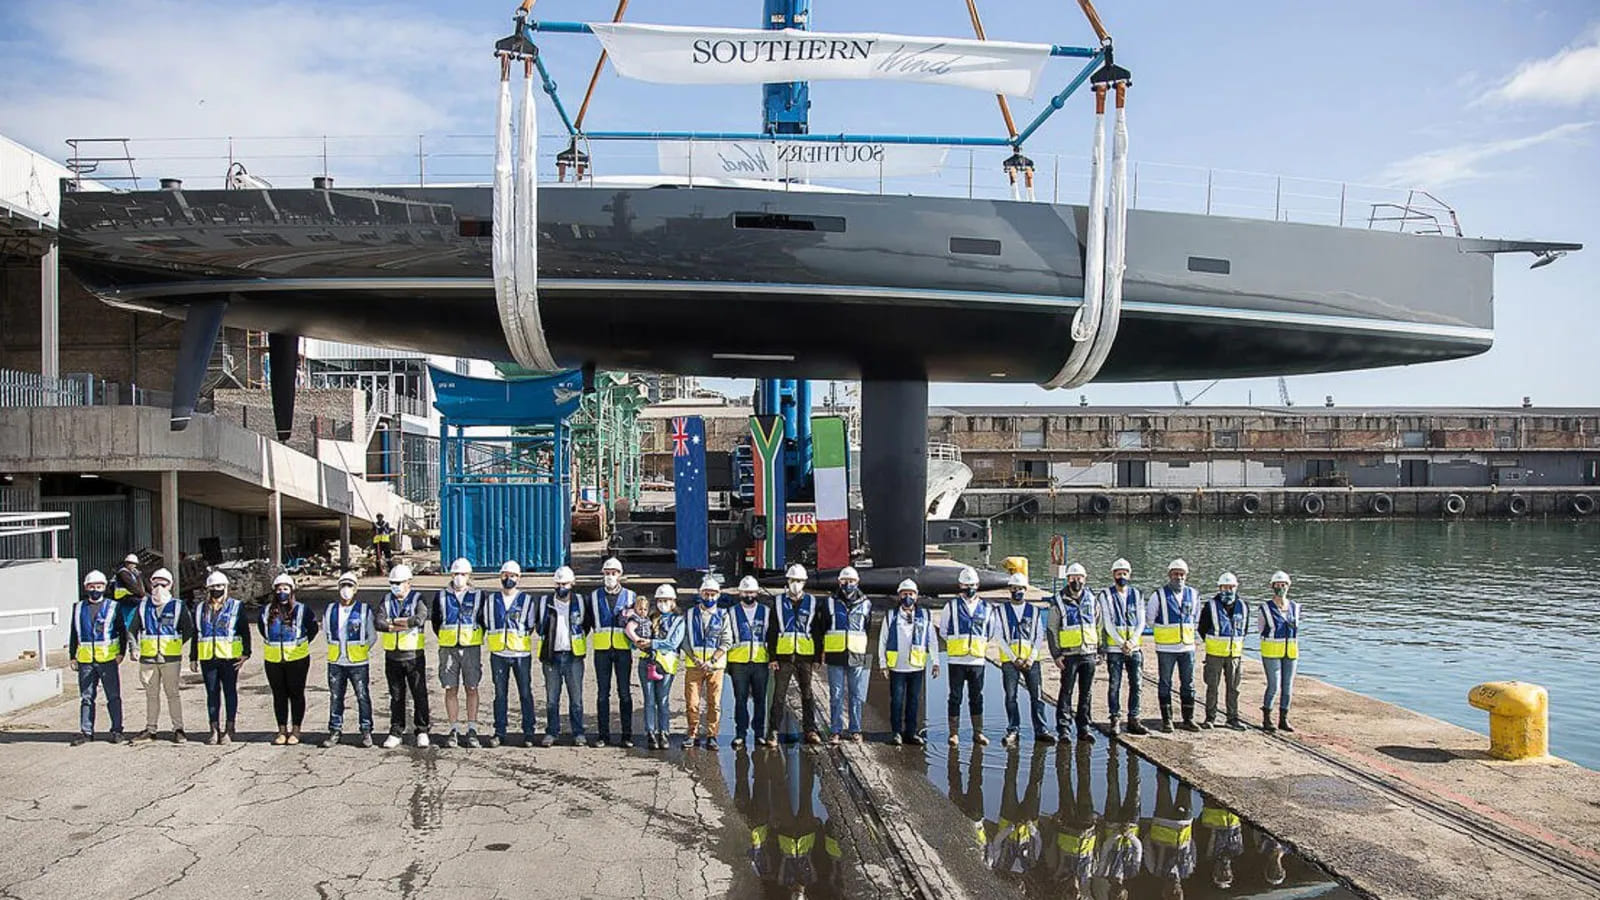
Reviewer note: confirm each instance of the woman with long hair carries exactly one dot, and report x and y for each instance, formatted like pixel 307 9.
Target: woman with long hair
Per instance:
pixel 287 627
pixel 659 640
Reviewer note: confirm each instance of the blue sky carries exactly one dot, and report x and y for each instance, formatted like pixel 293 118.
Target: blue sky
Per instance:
pixel 1492 104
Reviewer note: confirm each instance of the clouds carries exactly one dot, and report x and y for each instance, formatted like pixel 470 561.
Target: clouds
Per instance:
pixel 1438 168
pixel 1569 78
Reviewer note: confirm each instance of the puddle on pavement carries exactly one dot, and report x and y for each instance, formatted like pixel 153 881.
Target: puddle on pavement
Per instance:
pixel 1095 820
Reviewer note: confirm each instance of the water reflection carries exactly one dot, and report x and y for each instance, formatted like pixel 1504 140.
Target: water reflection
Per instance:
pixel 793 849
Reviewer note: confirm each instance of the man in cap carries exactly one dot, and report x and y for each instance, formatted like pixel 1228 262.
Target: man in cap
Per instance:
pixel 1122 618
pixel 562 622
pixel 458 623
pixel 351 632
pixel 94 647
pixel 160 629
pixel 748 658
pixel 509 618
pixel 705 649
pixel 400 621
pixel 968 627
pixel 1174 610
pixel 613 654
pixel 1222 627
pixel 844 649
pixel 1074 636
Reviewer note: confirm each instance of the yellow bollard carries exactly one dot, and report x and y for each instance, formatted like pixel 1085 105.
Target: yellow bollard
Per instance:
pixel 1015 565
pixel 1519 718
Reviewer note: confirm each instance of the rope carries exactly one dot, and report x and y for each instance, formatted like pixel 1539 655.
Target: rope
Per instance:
pixel 1086 322
pixel 1005 107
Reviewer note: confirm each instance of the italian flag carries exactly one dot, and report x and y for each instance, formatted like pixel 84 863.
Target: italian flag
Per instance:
pixel 829 460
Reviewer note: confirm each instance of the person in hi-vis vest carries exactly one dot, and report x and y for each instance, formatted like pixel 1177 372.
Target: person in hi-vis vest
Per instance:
pixel 905 653
pixel 508 618
pixel 561 621
pixel 609 606
pixel 220 647
pixel 458 622
pixel 968 628
pixel 706 641
pixel 161 626
pixel 287 627
pixel 1174 611
pixel 844 649
pixel 748 660
pixel 94 648
pixel 1223 628
pixel 1073 631
pixel 351 632
pixel 1278 620
pixel 1020 629
pixel 401 619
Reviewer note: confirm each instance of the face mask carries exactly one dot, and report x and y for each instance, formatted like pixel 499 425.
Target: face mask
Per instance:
pixel 664 606
pixel 1121 580
pixel 611 581
pixel 1017 596
pixel 708 602
pixel 347 593
pixel 1074 586
pixel 459 582
pixel 848 587
pixel 908 600
pixel 969 592
pixel 399 590
pixel 1227 594
pixel 163 593
pixel 748 599
pixel 797 587
pixel 508 583
pixel 563 590
pixel 96 594
pixel 1279 590
pixel 283 596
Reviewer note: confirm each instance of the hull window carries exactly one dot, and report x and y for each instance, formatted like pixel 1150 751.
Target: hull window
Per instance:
pixel 786 222
pixel 1210 266
pixel 975 246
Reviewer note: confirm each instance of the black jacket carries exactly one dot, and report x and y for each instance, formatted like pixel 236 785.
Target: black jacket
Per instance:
pixel 819 627
pixel 1207 626
pixel 545 620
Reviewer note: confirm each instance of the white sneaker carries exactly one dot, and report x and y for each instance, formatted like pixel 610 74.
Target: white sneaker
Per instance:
pixel 422 739
pixel 391 742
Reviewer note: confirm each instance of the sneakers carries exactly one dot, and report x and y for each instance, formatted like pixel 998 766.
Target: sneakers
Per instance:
pixel 472 742
pixel 422 739
pixel 1045 737
pixel 332 740
pixel 1208 724
pixel 1085 736
pixel 118 737
pixel 897 740
pixel 1111 728
pixel 1188 725
pixel 738 743
pixel 711 743
pixel 1010 740
pixel 599 741
pixel 80 739
pixel 366 739
pixel 177 736
pixel 1136 727
pixel 1236 725
pixel 549 740
pixel 833 739
pixel 283 738
pixel 855 737
pixel 389 743
pixel 213 737
pixel 143 736
pixel 980 739
pixel 496 740
pixel 917 740
pixel 627 743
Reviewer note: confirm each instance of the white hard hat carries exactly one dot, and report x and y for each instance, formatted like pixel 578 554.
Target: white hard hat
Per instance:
pixel 283 580
pixel 564 575
pixel 161 575
pixel 796 572
pixel 907 585
pixel 612 564
pixel 749 583
pixel 1017 579
pixel 1280 576
pixel 131 559
pixel 461 567
pixel 709 584
pixel 95 576
pixel 849 572
pixel 666 592
pixel 1179 565
pixel 1122 566
pixel 510 568
pixel 348 578
pixel 1226 579
pixel 216 579
pixel 400 574
pixel 968 577
pixel 1077 569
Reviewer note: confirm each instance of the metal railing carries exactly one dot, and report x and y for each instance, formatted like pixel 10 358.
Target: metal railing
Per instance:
pixel 27 389
pixel 937 450
pixel 424 160
pixel 39 630
pixel 22 524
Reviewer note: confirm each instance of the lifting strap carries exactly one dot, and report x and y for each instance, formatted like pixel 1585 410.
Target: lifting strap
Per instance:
pixel 515 241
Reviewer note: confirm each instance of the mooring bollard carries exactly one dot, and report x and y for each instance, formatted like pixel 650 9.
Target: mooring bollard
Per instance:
pixel 1519 718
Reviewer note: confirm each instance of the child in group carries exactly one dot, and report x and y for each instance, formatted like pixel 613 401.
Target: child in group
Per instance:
pixel 658 635
pixel 636 625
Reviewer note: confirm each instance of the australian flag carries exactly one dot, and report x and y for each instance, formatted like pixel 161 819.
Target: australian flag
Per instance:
pixel 689 486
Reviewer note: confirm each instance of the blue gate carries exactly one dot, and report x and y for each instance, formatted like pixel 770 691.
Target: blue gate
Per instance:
pixel 506 496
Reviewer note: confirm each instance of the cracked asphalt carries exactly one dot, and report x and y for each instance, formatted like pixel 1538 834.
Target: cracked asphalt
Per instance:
pixel 158 819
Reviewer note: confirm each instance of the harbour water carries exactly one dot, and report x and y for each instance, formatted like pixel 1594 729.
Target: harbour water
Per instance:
pixel 1412 612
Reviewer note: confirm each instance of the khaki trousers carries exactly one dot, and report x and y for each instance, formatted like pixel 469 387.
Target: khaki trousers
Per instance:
pixel 157 678
pixel 695 681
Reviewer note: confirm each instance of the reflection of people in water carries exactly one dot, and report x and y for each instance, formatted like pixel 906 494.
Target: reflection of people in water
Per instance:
pixel 969 799
pixel 1224 835
pixel 1171 855
pixel 1014 840
pixel 792 846
pixel 1272 854
pixel 1120 852
pixel 756 804
pixel 1071 833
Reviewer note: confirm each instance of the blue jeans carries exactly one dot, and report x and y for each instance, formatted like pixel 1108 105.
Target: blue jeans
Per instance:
pixel 749 691
pixel 1280 672
pixel 1184 661
pixel 222 690
pixel 971 677
pixel 501 671
pixel 358 678
pixel 841 679
pixel 657 701
pixel 1010 679
pixel 905 703
pixel 1077 673
pixel 612 665
pixel 1116 663
pixel 91 677
pixel 563 669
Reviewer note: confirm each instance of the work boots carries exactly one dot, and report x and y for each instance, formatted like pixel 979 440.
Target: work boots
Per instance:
pixel 955 731
pixel 1136 727
pixel 1283 721
pixel 1266 720
pixel 1166 717
pixel 1188 718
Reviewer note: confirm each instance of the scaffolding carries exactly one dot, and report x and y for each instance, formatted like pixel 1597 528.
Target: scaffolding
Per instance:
pixel 605 436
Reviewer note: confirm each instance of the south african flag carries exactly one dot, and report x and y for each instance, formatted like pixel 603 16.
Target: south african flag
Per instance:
pixel 766 446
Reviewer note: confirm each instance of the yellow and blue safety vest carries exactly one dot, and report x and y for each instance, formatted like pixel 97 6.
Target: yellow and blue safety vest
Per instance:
pixel 1283 631
pixel 94 624
pixel 287 639
pixel 217 636
pixel 1176 617
pixel 1020 631
pixel 1120 621
pixel 968 635
pixel 159 633
pixel 459 621
pixel 509 629
pixel 702 645
pixel 608 626
pixel 847 626
pixel 1226 639
pixel 921 640
pixel 794 621
pixel 1079 631
pixel 348 629
pixel 394 608
pixel 750 634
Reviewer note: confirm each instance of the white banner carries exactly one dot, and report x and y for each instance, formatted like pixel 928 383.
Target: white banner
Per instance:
pixel 796 159
pixel 680 55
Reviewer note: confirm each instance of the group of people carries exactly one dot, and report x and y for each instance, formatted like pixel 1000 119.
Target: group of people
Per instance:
pixel 759 646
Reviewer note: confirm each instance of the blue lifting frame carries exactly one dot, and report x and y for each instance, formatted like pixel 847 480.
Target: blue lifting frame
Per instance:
pixel 528 30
